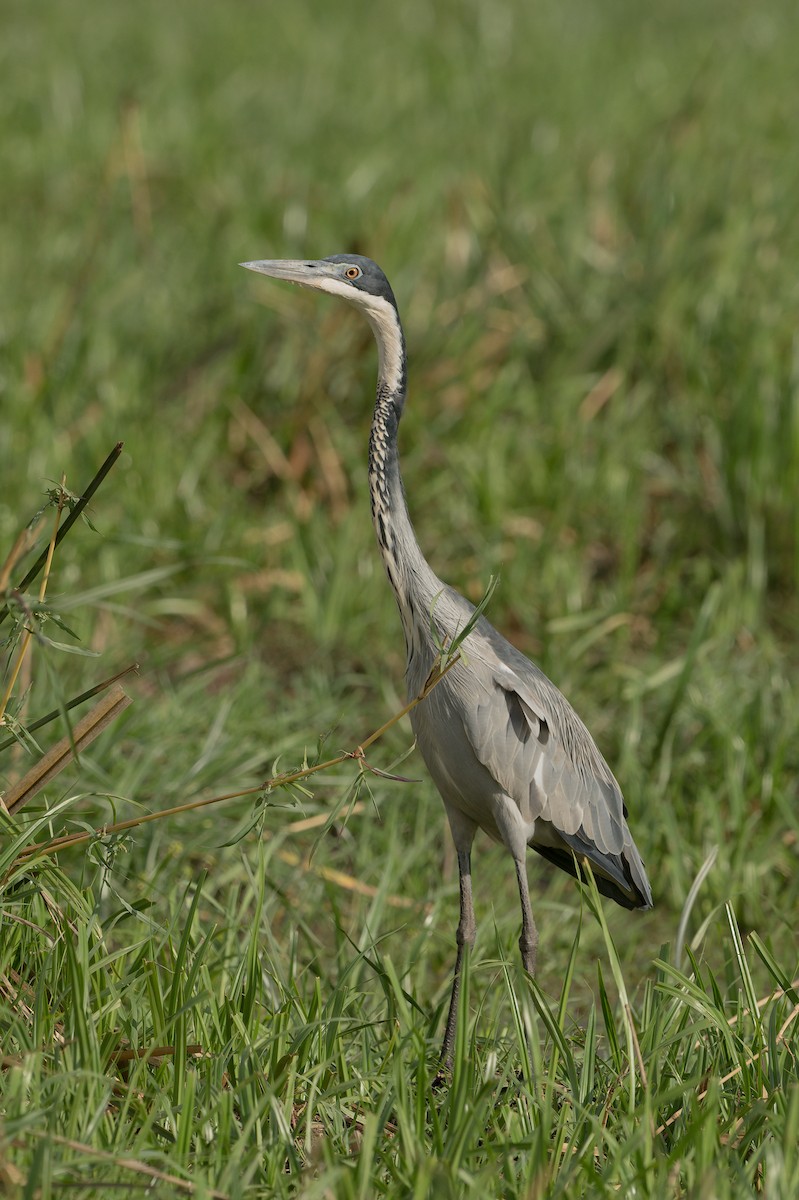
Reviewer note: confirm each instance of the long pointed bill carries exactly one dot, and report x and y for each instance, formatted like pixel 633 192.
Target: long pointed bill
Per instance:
pixel 307 274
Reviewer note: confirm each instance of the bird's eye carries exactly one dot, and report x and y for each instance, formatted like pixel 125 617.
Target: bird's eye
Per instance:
pixel 352 272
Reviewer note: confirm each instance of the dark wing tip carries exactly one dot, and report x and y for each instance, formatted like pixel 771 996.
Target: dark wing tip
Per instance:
pixel 636 893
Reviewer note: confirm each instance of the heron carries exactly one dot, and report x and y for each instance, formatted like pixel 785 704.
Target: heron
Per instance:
pixel 505 749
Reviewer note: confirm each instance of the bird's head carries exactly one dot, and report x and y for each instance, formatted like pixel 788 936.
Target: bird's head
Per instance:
pixel 350 276
pixel 362 283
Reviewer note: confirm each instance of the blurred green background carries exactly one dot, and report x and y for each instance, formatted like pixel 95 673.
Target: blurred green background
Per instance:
pixel 588 215
pixel 589 222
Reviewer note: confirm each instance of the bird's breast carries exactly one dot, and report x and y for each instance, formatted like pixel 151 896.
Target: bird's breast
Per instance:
pixel 463 781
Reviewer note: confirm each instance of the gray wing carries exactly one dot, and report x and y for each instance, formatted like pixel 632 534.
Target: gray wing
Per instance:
pixel 541 754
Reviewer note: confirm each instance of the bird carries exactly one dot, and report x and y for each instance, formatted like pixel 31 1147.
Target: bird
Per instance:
pixel 504 747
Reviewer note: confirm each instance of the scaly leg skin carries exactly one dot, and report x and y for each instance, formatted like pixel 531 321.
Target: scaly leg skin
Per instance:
pixel 467 930
pixel 528 942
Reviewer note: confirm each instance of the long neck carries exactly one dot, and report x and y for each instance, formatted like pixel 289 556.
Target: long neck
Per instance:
pixel 409 574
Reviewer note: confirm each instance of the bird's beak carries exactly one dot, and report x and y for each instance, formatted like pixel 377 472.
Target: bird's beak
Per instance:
pixel 301 271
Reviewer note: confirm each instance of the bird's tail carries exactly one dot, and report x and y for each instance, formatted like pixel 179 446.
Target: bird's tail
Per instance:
pixel 620 877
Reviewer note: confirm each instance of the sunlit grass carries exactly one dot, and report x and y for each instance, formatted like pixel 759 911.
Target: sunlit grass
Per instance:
pixel 588 217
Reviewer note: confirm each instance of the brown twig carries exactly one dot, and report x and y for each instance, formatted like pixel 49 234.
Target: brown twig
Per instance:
pixel 84 733
pixel 73 703
pixel 76 839
pixel 194 1050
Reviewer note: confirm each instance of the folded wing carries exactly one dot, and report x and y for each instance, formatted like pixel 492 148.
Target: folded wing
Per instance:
pixel 540 753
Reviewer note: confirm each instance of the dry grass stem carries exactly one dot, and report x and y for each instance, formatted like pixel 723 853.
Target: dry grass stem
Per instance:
pixel 69 747
pixel 75 839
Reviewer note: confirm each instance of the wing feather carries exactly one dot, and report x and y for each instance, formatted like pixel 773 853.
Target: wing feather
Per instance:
pixel 540 753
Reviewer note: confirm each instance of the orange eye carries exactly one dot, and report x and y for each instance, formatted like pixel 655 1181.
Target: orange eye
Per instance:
pixel 352 272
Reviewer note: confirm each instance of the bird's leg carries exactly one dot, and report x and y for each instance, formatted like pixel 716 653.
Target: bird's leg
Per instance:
pixel 528 942
pixel 465 936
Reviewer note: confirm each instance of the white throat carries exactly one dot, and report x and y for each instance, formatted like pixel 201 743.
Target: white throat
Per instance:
pixel 385 324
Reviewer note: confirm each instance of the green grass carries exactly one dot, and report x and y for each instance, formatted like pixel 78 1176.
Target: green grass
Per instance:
pixel 588 216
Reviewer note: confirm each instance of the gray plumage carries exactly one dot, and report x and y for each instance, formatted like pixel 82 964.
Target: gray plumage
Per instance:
pixel 506 750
